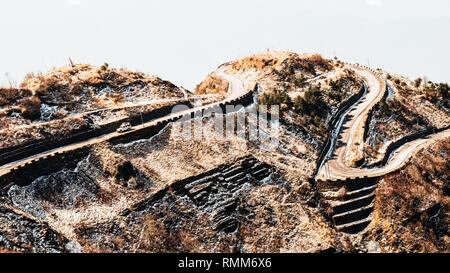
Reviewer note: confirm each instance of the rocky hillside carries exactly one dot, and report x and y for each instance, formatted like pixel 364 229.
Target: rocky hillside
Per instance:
pixel 412 205
pixel 73 99
pixel 214 194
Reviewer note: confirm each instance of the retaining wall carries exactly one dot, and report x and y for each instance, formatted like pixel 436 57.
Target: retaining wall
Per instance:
pixel 333 122
pixel 23 175
pixel 397 144
pixel 350 183
pixel 27 172
pixel 20 152
pixel 371 113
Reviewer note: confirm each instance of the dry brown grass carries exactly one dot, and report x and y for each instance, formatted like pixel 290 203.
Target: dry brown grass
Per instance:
pixel 320 61
pixel 281 60
pixel 113 164
pixel 31 107
pixel 412 206
pixel 74 79
pixel 259 61
pixel 212 85
pixel 10 95
pixel 152 237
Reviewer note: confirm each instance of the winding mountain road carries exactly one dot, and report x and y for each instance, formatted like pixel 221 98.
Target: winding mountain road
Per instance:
pixel 337 165
pixel 238 87
pixel 397 160
pixel 349 142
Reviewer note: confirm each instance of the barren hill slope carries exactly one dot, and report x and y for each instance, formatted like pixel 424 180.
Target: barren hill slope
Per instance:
pixel 160 193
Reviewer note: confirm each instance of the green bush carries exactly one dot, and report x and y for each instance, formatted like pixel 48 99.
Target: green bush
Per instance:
pixel 311 68
pixel 298 81
pixel 311 104
pixel 313 108
pixel 276 97
pixel 337 85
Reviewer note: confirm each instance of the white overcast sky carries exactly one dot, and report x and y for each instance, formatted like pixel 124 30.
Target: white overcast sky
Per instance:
pixel 184 40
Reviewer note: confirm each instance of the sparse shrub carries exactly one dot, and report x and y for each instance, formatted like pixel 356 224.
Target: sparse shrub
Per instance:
pixel 418 82
pixel 323 129
pixel 336 85
pixel 9 95
pixel 311 104
pixel 113 164
pixel 336 95
pixel 31 107
pixel 4 123
pixel 28 77
pixel 383 106
pixel 276 97
pixel 291 70
pixel 297 81
pixel 443 89
pixel 70 106
pixel 109 75
pixel 211 85
pixel 317 121
pixel 76 89
pixel 320 61
pixel 313 108
pixel 309 65
pixel 47 85
pixel 437 93
pixel 311 68
pixel 104 67
pixel 60 114
pixel 300 81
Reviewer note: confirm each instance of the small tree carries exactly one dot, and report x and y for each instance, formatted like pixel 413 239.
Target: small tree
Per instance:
pixel 417 82
pixel 311 68
pixel 443 89
pixel 276 97
pixel 104 67
pixel 312 103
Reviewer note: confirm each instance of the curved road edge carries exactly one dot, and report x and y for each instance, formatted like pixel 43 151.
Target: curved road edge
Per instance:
pixel 337 168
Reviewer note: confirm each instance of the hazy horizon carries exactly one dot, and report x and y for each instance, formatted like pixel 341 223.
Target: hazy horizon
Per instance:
pixel 183 41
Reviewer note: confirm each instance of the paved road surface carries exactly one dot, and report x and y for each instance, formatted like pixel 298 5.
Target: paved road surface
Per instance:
pixel 352 135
